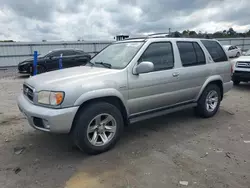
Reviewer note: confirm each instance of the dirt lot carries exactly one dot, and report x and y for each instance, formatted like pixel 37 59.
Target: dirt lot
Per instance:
pixel 157 153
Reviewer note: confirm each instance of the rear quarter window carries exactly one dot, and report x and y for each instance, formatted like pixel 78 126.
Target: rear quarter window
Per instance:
pixel 215 50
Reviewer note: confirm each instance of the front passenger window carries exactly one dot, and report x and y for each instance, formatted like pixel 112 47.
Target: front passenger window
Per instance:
pixel 160 54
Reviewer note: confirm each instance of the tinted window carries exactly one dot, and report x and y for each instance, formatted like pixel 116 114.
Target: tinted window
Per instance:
pixel 199 54
pixel 160 54
pixel 79 52
pixel 215 50
pixel 191 54
pixel 69 53
pixel 56 53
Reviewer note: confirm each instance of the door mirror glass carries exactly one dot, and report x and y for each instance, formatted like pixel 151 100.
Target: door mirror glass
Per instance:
pixel 144 67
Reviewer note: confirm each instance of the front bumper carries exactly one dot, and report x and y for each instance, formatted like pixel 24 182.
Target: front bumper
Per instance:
pixel 24 69
pixel 241 75
pixel 56 120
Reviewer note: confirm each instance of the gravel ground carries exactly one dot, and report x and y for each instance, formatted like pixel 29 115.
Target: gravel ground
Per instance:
pixel 169 151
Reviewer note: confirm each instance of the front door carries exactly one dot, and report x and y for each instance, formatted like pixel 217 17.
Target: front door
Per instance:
pixel 157 89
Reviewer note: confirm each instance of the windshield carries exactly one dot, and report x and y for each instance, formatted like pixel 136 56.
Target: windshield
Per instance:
pixel 118 55
pixel 45 54
pixel 247 53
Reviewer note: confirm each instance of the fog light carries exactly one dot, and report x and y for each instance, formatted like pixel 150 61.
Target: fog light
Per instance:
pixel 46 124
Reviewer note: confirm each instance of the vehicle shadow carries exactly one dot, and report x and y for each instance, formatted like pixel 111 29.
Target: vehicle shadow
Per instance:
pixel 24 76
pixel 243 87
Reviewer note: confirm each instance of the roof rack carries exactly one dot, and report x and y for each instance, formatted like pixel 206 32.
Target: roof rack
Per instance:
pixel 158 35
pixel 134 38
pixel 153 35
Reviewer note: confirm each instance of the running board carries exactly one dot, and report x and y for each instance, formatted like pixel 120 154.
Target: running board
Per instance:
pixel 156 113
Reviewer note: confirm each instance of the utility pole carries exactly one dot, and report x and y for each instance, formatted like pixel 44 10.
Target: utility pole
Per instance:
pixel 169 31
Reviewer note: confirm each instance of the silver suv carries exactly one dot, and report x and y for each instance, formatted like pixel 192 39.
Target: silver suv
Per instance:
pixel 127 82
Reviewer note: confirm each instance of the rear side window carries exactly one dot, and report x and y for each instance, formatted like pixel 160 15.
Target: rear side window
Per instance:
pixel 215 50
pixel 160 54
pixel 191 54
pixel 69 53
pixel 56 53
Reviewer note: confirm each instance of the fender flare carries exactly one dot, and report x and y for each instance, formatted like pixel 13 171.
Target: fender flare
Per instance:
pixel 109 92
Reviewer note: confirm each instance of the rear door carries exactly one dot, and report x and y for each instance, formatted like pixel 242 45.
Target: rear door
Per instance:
pixel 69 58
pixel 193 71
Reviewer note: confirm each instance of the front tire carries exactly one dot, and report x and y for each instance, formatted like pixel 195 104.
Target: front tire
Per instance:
pixel 98 127
pixel 238 54
pixel 209 101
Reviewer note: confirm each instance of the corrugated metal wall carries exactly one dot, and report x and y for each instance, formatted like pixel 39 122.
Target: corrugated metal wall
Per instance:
pixel 12 53
pixel 243 43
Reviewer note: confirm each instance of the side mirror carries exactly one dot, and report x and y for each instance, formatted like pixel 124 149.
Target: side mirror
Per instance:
pixel 144 67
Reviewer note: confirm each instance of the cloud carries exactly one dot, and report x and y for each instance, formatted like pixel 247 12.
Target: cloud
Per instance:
pixel 36 20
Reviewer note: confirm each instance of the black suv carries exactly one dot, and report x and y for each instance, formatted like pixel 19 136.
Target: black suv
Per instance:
pixel 50 61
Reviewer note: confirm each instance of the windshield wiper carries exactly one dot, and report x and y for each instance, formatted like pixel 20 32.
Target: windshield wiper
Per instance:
pixel 104 64
pixel 92 64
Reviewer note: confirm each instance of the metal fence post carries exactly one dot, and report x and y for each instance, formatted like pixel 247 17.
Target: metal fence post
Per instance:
pixel 60 62
pixel 243 44
pixel 35 63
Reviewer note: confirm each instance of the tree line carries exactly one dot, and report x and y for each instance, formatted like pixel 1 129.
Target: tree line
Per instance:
pixel 230 33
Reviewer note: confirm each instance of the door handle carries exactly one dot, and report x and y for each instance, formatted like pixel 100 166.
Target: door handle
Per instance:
pixel 175 74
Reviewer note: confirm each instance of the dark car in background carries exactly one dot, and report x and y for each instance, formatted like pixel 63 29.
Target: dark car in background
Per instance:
pixel 50 61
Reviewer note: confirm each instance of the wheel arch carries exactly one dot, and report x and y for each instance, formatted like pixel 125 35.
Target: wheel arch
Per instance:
pixel 112 99
pixel 217 80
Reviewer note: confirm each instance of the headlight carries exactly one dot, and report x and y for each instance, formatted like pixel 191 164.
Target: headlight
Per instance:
pixel 50 98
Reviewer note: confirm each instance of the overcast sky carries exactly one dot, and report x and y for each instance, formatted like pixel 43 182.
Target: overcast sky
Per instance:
pixel 35 20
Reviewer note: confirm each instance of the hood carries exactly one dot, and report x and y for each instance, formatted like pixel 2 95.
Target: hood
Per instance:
pixel 243 58
pixel 29 60
pixel 76 75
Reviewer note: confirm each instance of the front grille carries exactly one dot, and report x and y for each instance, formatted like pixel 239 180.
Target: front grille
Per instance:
pixel 242 72
pixel 27 91
pixel 243 64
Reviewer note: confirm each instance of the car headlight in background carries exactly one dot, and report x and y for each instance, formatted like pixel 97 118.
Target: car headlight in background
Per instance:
pixel 53 98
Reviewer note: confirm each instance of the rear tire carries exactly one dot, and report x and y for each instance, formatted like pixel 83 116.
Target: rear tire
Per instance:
pixel 238 54
pixel 209 101
pixel 92 124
